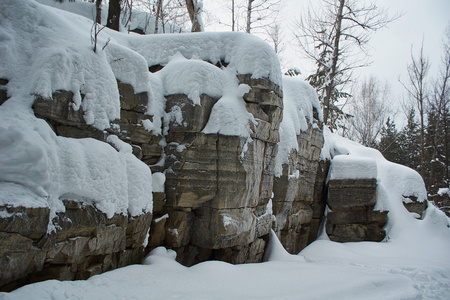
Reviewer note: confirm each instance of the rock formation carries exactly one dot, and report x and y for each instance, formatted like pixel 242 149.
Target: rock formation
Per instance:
pixel 218 187
pixel 85 243
pixel 295 202
pixel 234 149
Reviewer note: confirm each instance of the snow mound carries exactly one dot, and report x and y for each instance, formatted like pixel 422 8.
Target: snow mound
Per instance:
pixel 229 116
pixel 39 60
pixel 192 77
pixel 245 53
pixel 394 181
pixel 44 50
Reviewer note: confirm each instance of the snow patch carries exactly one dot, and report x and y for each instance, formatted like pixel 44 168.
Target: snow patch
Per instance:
pixel 158 181
pixel 299 100
pixel 352 167
pixel 166 216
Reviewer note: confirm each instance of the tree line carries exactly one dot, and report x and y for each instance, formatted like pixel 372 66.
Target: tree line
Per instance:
pixel 424 143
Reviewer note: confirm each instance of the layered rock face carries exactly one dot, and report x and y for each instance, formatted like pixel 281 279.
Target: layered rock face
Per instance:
pixel 352 217
pixel 298 193
pixel 84 244
pixel 298 202
pixel 352 196
pixel 218 186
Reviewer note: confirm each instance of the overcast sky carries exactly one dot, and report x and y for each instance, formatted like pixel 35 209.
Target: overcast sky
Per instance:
pixel 391 46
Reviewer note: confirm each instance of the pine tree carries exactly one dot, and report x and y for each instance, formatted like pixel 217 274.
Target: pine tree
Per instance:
pixel 434 167
pixel 410 142
pixel 389 144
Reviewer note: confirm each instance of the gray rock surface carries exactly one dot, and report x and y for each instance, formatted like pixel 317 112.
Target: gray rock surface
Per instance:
pixel 352 217
pixel 297 193
pixel 218 187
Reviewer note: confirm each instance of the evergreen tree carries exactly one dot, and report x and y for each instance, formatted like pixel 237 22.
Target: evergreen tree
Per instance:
pixel 410 142
pixel 435 170
pixel 389 144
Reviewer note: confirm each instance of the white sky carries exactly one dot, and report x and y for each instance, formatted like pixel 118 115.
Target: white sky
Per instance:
pixel 391 46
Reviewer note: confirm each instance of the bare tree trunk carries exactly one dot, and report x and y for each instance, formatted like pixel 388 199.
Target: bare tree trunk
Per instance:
pixel 249 16
pixel 417 72
pixel 158 15
pixel 330 86
pixel 232 16
pixel 98 11
pixel 193 15
pixel 114 14
pixel 444 117
pixel 422 136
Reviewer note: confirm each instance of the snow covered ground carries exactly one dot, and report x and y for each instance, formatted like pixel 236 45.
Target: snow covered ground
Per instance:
pixel 415 265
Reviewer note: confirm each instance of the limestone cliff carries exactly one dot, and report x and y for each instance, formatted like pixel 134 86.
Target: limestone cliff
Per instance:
pixel 234 152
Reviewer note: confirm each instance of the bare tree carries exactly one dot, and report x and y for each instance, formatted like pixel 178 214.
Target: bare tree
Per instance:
pixel 194 8
pixel 370 107
pixel 233 12
pixel 332 37
pixel 275 37
pixel 170 15
pixel 259 12
pixel 439 105
pixel 98 11
pixel 249 15
pixel 158 14
pixel 417 88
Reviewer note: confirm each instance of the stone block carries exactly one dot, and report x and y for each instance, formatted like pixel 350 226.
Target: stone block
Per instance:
pixel 260 83
pixel 374 233
pixel 346 232
pixel 79 132
pixel 137 229
pixel 195 117
pixel 157 232
pixel 416 207
pixel 224 228
pixel 131 101
pixel 348 193
pixel 378 217
pixel 159 201
pixel 29 222
pixel 89 272
pixel 178 228
pixel 355 215
pixel 18 257
pixel 58 109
